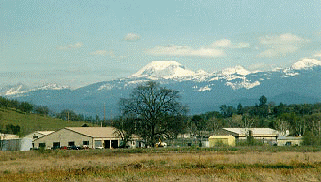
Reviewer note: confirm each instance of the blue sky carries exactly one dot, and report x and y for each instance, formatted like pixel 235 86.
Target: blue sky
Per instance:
pixel 75 43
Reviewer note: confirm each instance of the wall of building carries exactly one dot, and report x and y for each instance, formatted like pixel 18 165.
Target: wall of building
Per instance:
pixel 221 140
pixel 289 142
pixel 63 136
pixel 10 145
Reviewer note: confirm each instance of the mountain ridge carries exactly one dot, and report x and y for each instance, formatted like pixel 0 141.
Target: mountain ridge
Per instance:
pixel 201 91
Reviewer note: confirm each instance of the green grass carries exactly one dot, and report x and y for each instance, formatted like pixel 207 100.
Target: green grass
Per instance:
pixel 33 122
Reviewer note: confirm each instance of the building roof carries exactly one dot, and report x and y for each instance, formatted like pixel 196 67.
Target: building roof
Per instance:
pixel 45 132
pixel 255 131
pixel 8 136
pixel 96 132
pixel 222 137
pixel 290 138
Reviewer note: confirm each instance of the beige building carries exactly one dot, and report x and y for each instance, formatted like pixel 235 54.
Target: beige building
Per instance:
pixel 258 133
pixel 289 141
pixel 92 137
pixel 221 140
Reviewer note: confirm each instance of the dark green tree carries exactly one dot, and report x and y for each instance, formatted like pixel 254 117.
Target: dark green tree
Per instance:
pixel 68 115
pixel 200 123
pixel 42 110
pixel 240 109
pixel 12 129
pixel 26 107
pixel 156 112
pixel 263 100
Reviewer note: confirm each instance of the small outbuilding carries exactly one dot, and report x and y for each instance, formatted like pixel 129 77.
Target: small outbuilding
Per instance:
pixel 88 137
pixel 38 134
pixel 221 140
pixel 9 142
pixel 289 140
pixel 26 141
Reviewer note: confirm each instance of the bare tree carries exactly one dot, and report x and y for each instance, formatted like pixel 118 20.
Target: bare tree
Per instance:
pixel 155 112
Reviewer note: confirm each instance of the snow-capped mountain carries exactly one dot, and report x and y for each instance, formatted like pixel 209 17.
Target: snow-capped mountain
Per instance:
pixel 306 64
pixel 201 91
pixel 164 69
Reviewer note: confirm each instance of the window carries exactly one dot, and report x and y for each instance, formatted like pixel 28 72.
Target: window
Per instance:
pixel 85 143
pixel 98 143
pixel 288 143
pixel 42 145
pixel 56 145
pixel 71 143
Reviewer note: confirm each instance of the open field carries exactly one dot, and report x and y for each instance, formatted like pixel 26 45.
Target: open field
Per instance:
pixel 162 165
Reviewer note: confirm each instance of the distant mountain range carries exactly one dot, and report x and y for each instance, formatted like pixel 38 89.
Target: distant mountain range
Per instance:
pixel 200 91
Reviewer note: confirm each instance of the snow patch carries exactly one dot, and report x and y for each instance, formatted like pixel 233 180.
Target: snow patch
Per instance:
pixel 306 64
pixel 106 87
pixel 236 70
pixel 14 91
pixel 245 84
pixel 206 88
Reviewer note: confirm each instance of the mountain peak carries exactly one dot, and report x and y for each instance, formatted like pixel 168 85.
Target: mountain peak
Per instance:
pixel 164 69
pixel 306 64
pixel 236 70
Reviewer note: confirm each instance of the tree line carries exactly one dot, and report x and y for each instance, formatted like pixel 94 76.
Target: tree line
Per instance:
pixel 156 113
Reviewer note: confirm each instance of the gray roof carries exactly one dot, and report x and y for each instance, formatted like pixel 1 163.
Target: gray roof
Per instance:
pixel 255 131
pixel 290 138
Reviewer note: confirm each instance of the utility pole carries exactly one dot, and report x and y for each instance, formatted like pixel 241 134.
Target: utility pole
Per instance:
pixel 104 115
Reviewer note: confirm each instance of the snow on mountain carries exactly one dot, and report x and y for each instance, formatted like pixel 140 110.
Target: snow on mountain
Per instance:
pixel 245 84
pixel 236 70
pixel 21 89
pixel 18 89
pixel 164 69
pixel 51 86
pixel 305 64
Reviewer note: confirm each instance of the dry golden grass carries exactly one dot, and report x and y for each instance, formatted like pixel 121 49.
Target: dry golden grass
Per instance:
pixel 106 165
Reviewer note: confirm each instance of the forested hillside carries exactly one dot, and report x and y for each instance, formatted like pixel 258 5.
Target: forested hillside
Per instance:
pixel 298 119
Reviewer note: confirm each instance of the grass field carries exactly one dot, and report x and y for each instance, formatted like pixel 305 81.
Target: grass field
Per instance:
pixel 222 164
pixel 33 122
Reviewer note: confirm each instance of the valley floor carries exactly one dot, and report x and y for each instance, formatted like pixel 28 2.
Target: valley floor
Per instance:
pixel 161 165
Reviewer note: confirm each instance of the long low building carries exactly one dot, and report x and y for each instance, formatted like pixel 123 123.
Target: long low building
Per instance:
pixel 257 133
pixel 91 137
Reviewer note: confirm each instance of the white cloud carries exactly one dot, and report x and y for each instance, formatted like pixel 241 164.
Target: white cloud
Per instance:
pixel 279 51
pixel 103 53
pixel 185 51
pixel 216 49
pixel 225 43
pixel 71 46
pixel 132 37
pixel 282 39
pixel 281 45
pixel 317 54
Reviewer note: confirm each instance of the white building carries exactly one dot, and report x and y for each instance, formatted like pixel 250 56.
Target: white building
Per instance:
pixel 26 142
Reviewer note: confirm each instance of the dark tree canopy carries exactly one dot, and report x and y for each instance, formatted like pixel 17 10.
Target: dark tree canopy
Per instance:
pixel 154 112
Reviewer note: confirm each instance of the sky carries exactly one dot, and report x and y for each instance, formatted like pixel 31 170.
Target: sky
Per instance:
pixel 75 43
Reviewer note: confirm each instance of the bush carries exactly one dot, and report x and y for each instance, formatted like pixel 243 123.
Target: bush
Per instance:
pixel 310 139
